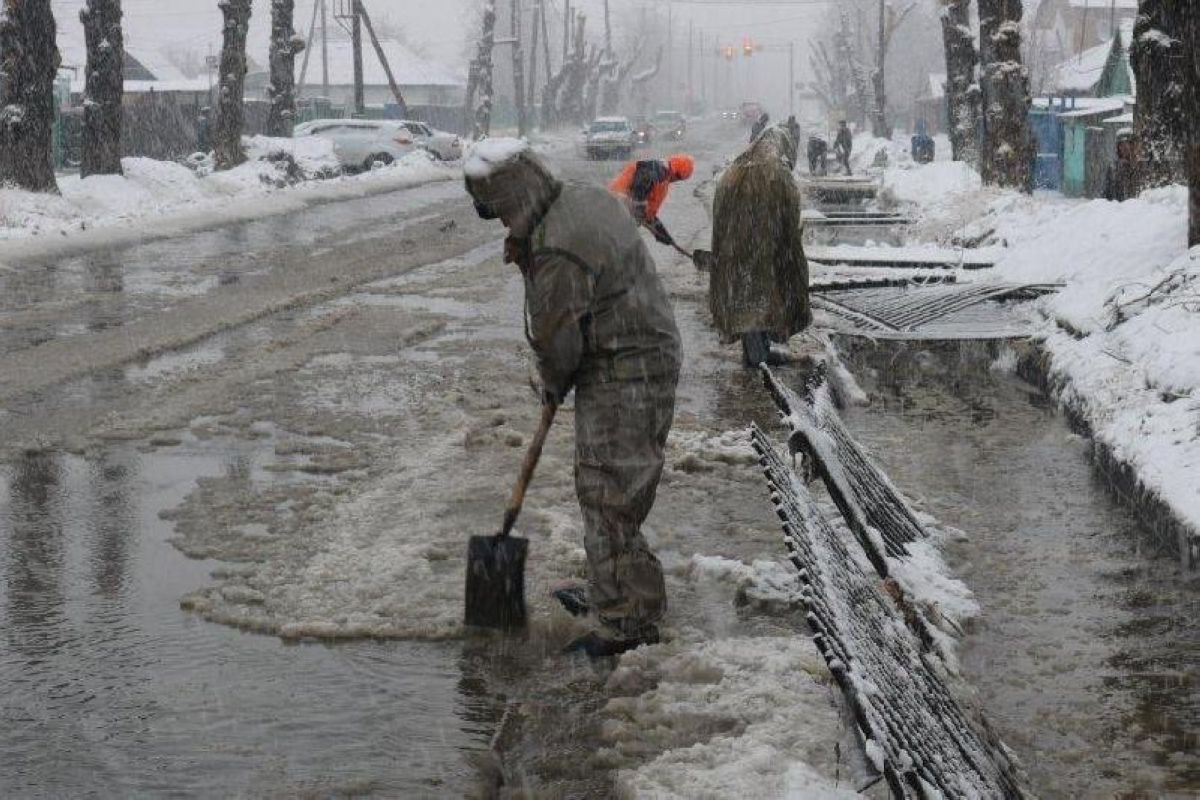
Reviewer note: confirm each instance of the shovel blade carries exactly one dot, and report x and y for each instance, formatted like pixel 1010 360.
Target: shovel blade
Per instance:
pixel 496 582
pixel 704 260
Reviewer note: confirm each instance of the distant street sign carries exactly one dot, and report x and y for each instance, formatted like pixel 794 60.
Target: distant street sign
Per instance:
pixel 212 62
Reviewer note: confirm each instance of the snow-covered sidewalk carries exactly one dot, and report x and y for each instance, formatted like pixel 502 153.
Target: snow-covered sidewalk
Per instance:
pixel 1122 338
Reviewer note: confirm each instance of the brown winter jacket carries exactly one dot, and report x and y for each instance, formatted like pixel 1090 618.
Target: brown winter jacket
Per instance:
pixel 760 281
pixel 595 309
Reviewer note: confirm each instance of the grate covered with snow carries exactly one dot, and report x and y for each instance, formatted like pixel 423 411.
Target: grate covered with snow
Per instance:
pixel 949 311
pixel 914 730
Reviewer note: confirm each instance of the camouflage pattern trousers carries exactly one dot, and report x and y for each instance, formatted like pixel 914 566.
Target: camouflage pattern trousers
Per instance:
pixel 621 430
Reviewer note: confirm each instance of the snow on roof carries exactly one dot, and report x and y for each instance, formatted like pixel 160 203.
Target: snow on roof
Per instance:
pixel 1102 105
pixel 409 68
pixel 1081 73
pixel 1123 5
pixel 491 154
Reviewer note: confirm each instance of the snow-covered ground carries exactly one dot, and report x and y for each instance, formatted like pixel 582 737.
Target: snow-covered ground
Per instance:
pixel 1123 335
pixel 172 193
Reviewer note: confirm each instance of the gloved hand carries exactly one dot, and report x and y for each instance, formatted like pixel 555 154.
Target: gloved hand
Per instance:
pixel 660 233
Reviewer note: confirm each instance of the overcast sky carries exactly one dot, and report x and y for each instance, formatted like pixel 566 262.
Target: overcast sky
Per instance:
pixel 438 25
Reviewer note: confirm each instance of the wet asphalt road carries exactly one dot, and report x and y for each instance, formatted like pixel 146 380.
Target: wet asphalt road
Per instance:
pixel 239 426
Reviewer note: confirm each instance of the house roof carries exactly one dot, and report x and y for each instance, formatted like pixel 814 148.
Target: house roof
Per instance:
pixel 1120 5
pixel 1080 74
pixel 409 68
pixel 141 66
pixel 1101 106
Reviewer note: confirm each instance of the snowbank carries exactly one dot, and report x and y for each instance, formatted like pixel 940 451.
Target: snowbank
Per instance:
pixel 280 175
pixel 1123 335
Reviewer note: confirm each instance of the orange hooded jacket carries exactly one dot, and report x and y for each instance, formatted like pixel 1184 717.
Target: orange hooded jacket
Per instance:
pixel 677 167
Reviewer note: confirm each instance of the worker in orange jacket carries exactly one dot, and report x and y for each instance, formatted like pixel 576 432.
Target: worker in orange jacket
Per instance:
pixel 645 185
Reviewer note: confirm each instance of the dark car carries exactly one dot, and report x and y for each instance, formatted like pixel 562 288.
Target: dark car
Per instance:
pixel 643 130
pixel 670 124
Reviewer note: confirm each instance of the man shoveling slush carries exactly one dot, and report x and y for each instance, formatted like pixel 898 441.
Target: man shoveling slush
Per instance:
pixel 599 321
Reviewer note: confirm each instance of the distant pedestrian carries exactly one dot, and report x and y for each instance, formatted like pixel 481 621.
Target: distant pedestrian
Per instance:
pixel 204 130
pixel 843 145
pixel 818 153
pixel 794 129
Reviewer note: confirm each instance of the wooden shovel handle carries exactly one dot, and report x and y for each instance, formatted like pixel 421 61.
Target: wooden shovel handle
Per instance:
pixel 531 461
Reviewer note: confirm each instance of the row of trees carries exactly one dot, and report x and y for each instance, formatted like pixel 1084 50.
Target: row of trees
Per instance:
pixel 591 78
pixel 29 61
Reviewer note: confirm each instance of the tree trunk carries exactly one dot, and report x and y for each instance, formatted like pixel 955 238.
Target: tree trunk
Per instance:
pixel 1193 113
pixel 518 68
pixel 102 110
pixel 285 44
pixel 531 92
pixel 479 81
pixel 879 123
pixel 962 92
pixel 227 134
pixel 1008 148
pixel 28 65
pixel 1159 60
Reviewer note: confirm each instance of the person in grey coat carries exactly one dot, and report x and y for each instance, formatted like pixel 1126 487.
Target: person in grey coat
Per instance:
pixel 599 322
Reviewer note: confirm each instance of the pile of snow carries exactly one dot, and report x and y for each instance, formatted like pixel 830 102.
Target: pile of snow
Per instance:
pixel 151 189
pixel 942 182
pixel 1125 330
pixel 738 717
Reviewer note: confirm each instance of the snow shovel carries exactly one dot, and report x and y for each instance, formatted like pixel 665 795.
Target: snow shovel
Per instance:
pixel 496 564
pixel 703 259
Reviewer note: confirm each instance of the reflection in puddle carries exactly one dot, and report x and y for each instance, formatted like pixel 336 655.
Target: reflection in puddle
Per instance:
pixel 112 689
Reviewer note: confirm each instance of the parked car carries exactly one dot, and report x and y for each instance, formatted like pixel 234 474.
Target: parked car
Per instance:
pixel 362 143
pixel 609 137
pixel 445 146
pixel 671 124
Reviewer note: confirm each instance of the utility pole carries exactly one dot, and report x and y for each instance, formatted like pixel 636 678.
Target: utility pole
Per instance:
pixel 539 8
pixel 703 71
pixel 791 78
pixel 566 30
pixel 691 84
pixel 312 30
pixel 324 51
pixel 670 55
pixel 360 104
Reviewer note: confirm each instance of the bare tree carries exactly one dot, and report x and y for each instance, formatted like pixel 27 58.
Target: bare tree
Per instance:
pixel 889 21
pixel 518 69
pixel 1008 148
pixel 285 44
pixel 227 131
pixel 1159 58
pixel 105 86
pixel 28 64
pixel 962 92
pixel 1192 83
pixel 479 76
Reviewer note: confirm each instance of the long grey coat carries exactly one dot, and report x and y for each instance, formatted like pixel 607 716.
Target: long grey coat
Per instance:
pixel 760 281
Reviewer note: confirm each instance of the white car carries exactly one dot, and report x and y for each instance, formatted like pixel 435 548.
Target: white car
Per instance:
pixel 445 146
pixel 362 143
pixel 609 137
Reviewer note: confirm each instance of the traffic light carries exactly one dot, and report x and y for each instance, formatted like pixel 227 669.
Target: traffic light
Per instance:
pixel 747 47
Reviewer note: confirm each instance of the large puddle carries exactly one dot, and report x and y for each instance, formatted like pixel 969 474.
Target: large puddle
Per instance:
pixel 112 690
pixel 1087 653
